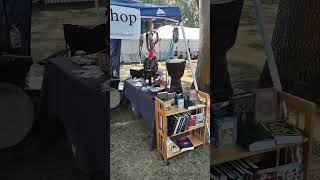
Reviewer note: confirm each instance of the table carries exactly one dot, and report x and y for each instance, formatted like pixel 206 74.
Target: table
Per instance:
pixel 143 105
pixel 83 111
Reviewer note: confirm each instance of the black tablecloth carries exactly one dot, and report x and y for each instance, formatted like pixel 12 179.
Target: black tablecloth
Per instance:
pixel 143 104
pixel 83 110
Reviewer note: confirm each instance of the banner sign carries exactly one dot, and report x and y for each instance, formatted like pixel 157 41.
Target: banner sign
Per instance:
pixel 125 23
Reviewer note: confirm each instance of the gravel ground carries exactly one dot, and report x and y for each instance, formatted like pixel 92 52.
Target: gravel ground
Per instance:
pixel 131 157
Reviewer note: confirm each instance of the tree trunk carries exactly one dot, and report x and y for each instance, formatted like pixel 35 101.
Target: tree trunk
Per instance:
pixel 296 47
pixel 203 67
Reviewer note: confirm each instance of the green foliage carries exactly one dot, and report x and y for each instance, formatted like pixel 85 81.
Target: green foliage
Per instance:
pixel 189 9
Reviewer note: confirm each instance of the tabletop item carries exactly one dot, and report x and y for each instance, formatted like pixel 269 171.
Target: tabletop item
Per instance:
pixel 193 95
pixel 225 131
pixel 175 69
pixel 181 103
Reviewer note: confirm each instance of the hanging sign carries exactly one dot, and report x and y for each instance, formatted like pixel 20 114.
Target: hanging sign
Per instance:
pixel 125 23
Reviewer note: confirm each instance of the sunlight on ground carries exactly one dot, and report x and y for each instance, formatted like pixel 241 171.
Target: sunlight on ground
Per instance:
pixel 122 124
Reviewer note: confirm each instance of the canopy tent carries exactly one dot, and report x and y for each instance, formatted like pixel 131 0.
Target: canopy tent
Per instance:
pixel 151 10
pixel 154 12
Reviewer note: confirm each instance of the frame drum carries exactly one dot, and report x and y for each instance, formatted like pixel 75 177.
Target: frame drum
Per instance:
pixel 16 115
pixel 115 98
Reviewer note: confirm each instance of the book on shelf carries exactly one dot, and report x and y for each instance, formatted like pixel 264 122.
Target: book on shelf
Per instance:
pixel 185 144
pixel 171 147
pixel 266 104
pixel 218 172
pixel 254 137
pixel 225 131
pixel 241 169
pixel 282 132
pixel 268 174
pixel 182 122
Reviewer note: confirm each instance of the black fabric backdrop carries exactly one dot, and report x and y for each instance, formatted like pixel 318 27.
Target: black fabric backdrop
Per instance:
pixel 19 14
pixel 115 50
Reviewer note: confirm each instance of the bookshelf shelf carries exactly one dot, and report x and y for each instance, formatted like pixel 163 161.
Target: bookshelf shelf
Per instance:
pixel 195 141
pixel 174 110
pixel 196 134
pixel 306 126
pixel 190 129
pixel 219 156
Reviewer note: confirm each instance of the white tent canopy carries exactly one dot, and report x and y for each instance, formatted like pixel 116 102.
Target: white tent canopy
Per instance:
pixel 165 32
pixel 130 48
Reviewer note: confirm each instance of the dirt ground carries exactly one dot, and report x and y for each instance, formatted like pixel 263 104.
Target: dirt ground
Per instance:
pixel 130 156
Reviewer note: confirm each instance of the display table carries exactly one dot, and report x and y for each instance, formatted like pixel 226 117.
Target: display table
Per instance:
pixel 143 105
pixel 83 111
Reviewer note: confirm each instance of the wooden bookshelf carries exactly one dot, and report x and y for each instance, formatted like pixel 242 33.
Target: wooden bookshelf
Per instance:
pixel 219 156
pixel 196 137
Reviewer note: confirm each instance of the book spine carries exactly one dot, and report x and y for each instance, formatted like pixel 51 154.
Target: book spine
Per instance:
pixel 176 127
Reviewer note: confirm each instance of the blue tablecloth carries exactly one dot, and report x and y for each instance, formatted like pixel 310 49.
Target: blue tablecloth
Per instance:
pixel 143 104
pixel 83 110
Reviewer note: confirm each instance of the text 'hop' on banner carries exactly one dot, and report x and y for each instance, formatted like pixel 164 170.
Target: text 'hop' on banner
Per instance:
pixel 125 23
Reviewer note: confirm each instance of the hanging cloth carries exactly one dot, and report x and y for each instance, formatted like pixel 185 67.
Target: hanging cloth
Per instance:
pixel 174 41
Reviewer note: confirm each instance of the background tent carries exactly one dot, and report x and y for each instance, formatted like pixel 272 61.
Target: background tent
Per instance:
pixel 147 11
pixel 130 48
pixel 150 10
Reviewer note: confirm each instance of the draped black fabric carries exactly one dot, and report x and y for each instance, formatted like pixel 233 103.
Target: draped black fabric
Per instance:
pixel 4 38
pixel 86 38
pixel 19 15
pixel 82 109
pixel 115 51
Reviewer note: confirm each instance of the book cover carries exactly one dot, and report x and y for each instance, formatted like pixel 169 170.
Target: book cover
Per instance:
pixel 184 142
pixel 181 123
pixel 225 131
pixel 266 106
pixel 290 171
pixel 282 132
pixel 267 174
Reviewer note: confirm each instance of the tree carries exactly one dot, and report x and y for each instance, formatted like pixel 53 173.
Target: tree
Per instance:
pixel 295 43
pixel 203 67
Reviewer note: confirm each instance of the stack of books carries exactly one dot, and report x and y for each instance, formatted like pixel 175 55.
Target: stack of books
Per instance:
pixel 266 135
pixel 245 169
pixel 239 169
pixel 182 122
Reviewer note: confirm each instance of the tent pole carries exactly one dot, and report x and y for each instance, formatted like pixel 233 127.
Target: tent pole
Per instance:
pixel 190 64
pixel 189 57
pixel 100 21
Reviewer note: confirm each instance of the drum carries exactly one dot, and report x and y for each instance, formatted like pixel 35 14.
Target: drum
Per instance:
pixel 16 115
pixel 224 23
pixel 175 69
pixel 115 98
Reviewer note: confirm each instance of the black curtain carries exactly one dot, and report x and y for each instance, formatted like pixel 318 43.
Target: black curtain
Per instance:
pixel 115 51
pixel 19 15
